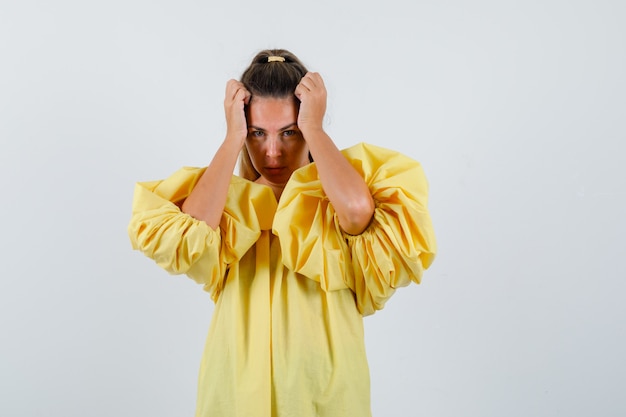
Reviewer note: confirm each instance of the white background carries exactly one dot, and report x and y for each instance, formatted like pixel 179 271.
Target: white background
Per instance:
pixel 516 109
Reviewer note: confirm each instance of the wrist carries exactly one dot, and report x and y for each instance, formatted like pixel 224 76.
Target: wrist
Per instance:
pixel 311 130
pixel 232 145
pixel 236 138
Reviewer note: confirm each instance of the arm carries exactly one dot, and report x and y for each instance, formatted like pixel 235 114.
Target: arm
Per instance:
pixel 346 190
pixel 208 198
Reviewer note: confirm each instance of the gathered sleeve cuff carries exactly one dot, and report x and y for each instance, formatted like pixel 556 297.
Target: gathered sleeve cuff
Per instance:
pixel 181 244
pixel 394 250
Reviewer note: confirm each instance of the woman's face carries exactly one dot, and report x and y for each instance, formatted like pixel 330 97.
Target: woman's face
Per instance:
pixel 274 142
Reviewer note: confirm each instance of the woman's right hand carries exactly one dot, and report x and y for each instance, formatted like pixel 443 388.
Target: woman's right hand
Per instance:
pixel 235 100
pixel 208 197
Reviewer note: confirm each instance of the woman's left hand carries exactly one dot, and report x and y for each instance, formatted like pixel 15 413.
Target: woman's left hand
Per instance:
pixel 312 95
pixel 344 186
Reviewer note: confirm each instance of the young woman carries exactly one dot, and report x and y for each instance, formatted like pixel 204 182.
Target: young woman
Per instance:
pixel 293 252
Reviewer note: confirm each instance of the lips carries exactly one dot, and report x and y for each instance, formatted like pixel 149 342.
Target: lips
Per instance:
pixel 274 171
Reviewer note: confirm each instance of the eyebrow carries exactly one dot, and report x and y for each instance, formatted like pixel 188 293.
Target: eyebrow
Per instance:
pixel 282 128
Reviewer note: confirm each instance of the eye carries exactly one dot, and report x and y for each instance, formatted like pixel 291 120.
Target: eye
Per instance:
pixel 257 133
pixel 288 133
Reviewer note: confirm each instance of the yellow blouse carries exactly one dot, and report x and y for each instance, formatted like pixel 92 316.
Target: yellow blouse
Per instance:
pixel 290 288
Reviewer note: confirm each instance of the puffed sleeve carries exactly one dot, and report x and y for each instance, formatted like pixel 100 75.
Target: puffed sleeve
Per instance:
pixel 395 249
pixel 181 244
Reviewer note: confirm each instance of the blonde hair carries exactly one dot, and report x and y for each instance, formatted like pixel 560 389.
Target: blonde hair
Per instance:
pixel 246 169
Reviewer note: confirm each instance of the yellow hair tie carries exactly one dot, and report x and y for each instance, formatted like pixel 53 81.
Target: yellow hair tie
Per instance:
pixel 275 59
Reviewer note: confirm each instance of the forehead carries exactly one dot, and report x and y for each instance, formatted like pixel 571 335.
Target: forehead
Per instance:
pixel 272 113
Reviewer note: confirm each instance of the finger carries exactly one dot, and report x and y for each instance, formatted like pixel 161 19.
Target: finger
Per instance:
pixel 232 89
pixel 241 98
pixel 245 96
pixel 238 94
pixel 307 82
pixel 300 90
pixel 313 82
pixel 317 79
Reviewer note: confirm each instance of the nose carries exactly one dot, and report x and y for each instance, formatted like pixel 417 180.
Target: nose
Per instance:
pixel 274 147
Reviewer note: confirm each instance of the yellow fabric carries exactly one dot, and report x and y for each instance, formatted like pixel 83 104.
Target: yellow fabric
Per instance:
pixel 286 336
